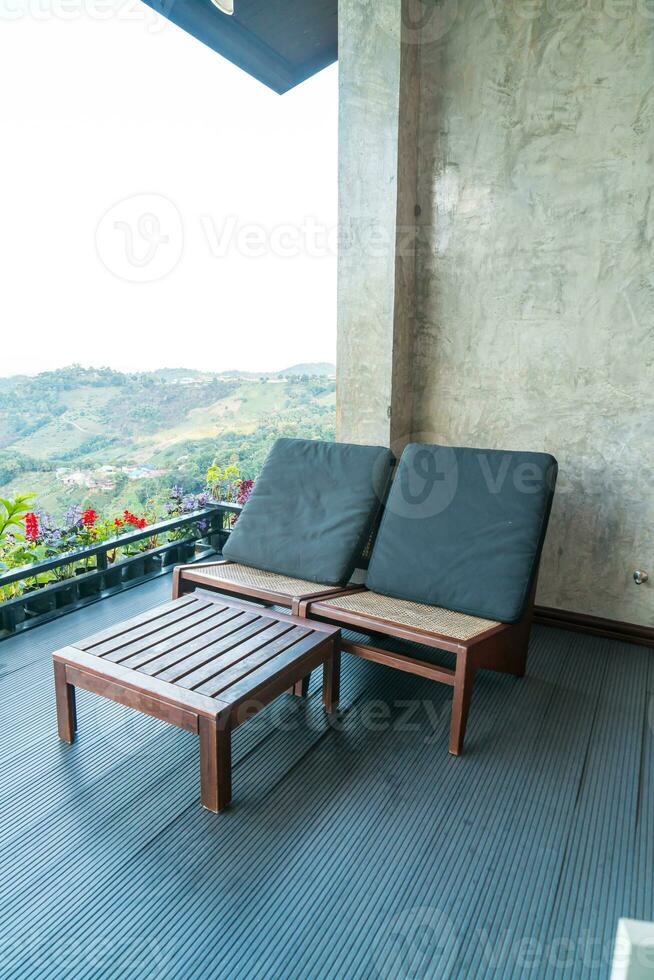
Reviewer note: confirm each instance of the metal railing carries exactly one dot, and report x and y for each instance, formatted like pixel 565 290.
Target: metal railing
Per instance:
pixel 100 570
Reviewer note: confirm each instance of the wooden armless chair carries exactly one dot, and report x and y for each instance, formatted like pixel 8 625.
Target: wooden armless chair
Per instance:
pixel 454 566
pixel 304 528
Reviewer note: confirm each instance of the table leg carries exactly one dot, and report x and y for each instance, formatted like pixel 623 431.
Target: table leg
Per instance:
pixel 301 688
pixel 65 696
pixel 331 684
pixel 215 764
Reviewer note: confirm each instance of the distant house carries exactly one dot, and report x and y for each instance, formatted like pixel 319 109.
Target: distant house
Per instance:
pixel 142 472
pixel 76 479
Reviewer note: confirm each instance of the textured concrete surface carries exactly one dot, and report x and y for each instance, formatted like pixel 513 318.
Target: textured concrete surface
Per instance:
pixel 369 81
pixel 379 78
pixel 535 273
pixel 534 312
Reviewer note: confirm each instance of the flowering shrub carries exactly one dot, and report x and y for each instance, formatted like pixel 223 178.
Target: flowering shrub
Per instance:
pixel 229 486
pixel 28 536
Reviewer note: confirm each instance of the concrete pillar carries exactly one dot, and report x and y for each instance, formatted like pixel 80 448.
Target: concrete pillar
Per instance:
pixel 379 103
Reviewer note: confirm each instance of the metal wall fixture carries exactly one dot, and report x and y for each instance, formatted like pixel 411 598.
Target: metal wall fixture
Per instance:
pixel 640 577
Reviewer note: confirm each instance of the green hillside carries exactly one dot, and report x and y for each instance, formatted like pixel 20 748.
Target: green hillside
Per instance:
pixel 108 439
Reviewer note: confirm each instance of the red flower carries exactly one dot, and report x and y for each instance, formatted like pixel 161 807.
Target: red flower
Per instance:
pixel 118 522
pixel 139 522
pixel 89 517
pixel 244 491
pixel 31 526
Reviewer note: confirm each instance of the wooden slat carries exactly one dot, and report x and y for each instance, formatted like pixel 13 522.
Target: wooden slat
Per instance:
pixel 151 614
pixel 229 648
pixel 115 691
pixel 373 624
pixel 197 647
pixel 192 631
pixel 238 652
pixel 271 670
pixel 135 680
pixel 146 636
pixel 239 672
pixel 400 662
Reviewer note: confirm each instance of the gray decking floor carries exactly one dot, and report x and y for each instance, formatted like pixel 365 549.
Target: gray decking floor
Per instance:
pixel 363 851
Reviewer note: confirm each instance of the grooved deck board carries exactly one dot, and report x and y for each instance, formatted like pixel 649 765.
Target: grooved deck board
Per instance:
pixel 340 837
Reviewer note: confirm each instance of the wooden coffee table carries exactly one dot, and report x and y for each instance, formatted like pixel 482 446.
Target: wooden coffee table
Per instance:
pixel 203 663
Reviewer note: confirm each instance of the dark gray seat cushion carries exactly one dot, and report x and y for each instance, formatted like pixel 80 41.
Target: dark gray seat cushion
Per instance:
pixel 311 510
pixel 464 529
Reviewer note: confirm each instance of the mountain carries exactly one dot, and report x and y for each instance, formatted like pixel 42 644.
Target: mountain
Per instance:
pixel 105 438
pixel 321 369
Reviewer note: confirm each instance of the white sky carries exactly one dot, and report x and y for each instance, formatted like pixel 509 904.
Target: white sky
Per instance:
pixel 112 103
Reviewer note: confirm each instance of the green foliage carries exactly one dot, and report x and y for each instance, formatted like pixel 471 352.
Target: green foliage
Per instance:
pixel 224 483
pixel 174 423
pixel 12 513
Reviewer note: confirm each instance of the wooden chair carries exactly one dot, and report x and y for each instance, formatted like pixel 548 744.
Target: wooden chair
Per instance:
pixel 301 534
pixel 477 643
pixel 454 567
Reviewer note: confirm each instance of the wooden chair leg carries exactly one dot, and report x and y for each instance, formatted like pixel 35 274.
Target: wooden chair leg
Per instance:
pixel 178 584
pixel 301 688
pixel 66 711
pixel 331 683
pixel 463 685
pixel 215 765
pixel 519 656
pixel 520 645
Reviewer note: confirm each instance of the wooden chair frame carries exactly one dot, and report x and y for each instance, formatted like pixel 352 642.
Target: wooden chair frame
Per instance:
pixel 502 647
pixel 187 578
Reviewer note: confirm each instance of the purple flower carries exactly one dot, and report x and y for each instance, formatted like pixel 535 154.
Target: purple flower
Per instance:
pixel 73 519
pixel 188 504
pixel 49 531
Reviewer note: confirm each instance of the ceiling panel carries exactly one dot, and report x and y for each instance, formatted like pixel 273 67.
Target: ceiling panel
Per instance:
pixel 280 42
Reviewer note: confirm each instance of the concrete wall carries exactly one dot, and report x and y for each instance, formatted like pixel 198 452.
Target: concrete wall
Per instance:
pixel 379 82
pixel 534 301
pixel 369 105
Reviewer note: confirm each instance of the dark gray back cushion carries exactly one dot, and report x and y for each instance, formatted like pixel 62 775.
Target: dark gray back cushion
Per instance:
pixel 464 529
pixel 311 510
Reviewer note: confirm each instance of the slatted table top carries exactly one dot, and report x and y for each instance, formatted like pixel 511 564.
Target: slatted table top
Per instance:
pixel 202 652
